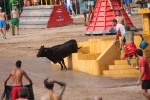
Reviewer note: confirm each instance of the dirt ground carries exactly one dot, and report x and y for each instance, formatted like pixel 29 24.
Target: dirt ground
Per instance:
pixel 80 86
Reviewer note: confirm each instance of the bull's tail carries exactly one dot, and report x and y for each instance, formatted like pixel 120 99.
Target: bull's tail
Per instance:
pixel 79 47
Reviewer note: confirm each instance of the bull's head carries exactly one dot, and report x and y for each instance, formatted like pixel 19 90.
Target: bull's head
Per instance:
pixel 41 52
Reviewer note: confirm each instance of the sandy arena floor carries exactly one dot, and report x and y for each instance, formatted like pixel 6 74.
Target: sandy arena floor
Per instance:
pixel 80 86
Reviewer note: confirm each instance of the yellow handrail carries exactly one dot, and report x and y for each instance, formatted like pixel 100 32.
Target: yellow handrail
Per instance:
pixel 47 2
pixel 41 2
pixel 51 2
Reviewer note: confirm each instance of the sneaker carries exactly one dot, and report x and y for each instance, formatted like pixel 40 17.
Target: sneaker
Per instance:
pixel 129 13
pixel 74 15
pixel 128 60
pixel 4 36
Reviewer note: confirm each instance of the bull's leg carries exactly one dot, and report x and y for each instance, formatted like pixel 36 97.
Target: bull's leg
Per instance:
pixel 61 65
pixel 64 64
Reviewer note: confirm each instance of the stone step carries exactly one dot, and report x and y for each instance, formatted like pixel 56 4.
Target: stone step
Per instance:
pixel 35 18
pixel 40 13
pixel 111 67
pixel 33 22
pixel 39 7
pixel 32 26
pixel 121 71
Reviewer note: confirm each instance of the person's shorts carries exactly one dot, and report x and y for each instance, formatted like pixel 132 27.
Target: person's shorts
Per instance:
pixel 2 24
pixel 15 92
pixel 15 21
pixel 69 8
pixel 90 3
pixel 145 84
pixel 84 11
pixel 127 2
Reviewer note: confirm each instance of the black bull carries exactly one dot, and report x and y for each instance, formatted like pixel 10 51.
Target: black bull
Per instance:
pixel 57 53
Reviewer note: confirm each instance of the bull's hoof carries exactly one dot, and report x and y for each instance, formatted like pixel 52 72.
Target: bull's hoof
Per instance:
pixel 65 68
pixel 61 68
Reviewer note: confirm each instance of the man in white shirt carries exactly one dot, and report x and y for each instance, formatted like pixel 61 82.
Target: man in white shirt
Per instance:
pixel 120 30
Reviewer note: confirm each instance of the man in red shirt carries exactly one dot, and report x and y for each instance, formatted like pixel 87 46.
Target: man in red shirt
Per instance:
pixel 144 74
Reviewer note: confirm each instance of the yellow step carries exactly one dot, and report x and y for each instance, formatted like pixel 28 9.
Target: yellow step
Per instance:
pixel 120 71
pixel 121 62
pixel 121 67
pixel 147 54
pixel 135 75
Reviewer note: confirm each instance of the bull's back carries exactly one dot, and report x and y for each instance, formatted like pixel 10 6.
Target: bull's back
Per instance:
pixel 67 49
pixel 64 50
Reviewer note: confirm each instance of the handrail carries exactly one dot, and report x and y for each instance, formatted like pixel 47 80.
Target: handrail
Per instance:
pixel 46 2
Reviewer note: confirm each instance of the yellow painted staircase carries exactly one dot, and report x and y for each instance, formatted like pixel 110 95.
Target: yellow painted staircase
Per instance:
pixel 122 69
pixel 99 56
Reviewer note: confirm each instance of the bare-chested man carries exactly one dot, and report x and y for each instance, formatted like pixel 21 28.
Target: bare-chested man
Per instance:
pixel 17 75
pixel 15 20
pixel 121 22
pixel 120 19
pixel 130 48
pixel 3 18
pixel 51 95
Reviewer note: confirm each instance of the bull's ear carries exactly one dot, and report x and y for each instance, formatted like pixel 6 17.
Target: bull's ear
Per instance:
pixel 45 50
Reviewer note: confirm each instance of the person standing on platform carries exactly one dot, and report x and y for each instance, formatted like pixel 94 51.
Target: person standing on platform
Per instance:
pixel 90 9
pixel 84 10
pixel 127 3
pixel 15 20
